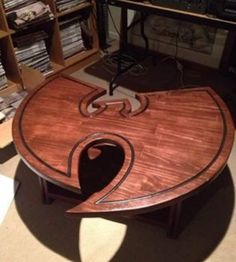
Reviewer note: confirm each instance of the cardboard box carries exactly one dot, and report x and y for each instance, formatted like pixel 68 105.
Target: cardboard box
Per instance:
pixel 5 133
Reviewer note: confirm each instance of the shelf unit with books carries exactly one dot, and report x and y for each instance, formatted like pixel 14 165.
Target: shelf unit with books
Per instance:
pixel 11 76
pixel 9 35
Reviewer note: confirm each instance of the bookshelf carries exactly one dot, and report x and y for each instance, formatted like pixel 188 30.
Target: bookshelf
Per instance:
pixel 58 62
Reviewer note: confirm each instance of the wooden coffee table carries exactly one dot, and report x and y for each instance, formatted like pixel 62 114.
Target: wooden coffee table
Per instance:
pixel 117 161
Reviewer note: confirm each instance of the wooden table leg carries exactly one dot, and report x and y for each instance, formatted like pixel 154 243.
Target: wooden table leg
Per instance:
pixel 174 218
pixel 44 191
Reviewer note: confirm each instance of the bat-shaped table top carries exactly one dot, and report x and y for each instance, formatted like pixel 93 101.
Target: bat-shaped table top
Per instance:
pixel 118 159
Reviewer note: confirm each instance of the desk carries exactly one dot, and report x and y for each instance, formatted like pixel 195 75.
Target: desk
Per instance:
pixel 120 161
pixel 169 12
pixel 146 8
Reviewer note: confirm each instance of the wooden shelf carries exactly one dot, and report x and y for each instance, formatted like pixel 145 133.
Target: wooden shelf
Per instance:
pixel 11 31
pixel 3 34
pixel 3 20
pixel 80 56
pixel 56 67
pixel 13 69
pixel 11 87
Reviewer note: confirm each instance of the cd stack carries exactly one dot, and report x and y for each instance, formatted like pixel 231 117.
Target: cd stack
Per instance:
pixel 3 78
pixel 31 51
pixel 63 5
pixel 71 36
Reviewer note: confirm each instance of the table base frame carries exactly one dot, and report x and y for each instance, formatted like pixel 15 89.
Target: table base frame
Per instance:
pixel 51 192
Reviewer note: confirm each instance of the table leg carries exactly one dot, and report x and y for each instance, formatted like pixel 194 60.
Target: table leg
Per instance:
pixel 174 218
pixel 44 191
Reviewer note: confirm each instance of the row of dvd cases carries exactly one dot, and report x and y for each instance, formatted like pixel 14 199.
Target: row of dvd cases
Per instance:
pixel 47 45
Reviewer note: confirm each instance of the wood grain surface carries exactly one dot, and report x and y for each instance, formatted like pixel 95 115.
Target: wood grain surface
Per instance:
pixel 174 144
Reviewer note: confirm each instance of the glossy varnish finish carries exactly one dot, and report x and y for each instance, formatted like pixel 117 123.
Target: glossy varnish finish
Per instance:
pixel 175 143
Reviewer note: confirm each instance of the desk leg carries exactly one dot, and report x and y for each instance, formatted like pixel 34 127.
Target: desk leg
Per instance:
pixel 123 28
pixel 174 218
pixel 44 191
pixel 123 46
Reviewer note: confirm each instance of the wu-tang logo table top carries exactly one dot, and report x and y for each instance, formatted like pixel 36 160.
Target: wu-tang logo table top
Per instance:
pixel 119 159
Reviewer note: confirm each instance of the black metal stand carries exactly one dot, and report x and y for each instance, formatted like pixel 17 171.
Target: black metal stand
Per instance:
pixel 123 46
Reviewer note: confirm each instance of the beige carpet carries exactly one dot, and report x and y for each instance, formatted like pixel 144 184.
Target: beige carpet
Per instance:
pixel 32 231
pixel 8 188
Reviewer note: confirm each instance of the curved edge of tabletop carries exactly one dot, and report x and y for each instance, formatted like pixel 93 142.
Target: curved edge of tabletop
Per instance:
pixel 93 205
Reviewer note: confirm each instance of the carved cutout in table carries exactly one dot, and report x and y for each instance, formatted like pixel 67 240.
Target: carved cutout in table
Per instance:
pixel 120 160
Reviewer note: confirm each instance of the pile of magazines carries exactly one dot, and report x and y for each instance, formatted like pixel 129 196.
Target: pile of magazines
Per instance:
pixel 9 104
pixel 31 51
pixel 71 36
pixel 3 78
pixel 11 5
pixel 63 5
pixel 28 15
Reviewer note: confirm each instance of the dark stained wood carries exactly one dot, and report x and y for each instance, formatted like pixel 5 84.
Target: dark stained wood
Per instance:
pixel 174 144
pixel 174 217
pixel 46 199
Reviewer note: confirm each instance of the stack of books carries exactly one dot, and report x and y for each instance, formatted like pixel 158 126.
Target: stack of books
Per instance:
pixel 31 51
pixel 29 15
pixel 63 5
pixel 71 36
pixel 3 78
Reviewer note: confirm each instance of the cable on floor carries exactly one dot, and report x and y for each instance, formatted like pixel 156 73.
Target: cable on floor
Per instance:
pixel 111 61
